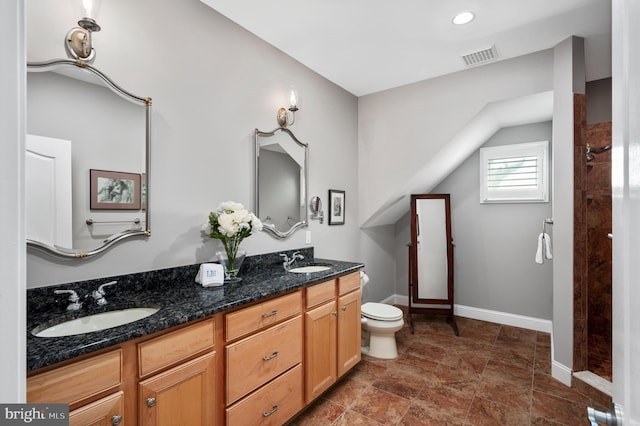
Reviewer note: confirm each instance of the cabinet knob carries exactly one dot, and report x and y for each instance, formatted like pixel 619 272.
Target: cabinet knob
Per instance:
pixel 272 356
pixel 268 413
pixel 151 402
pixel 334 313
pixel 344 308
pixel 115 420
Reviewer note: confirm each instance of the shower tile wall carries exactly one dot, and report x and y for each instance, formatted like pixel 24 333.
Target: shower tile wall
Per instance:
pixel 580 265
pixel 592 247
pixel 599 225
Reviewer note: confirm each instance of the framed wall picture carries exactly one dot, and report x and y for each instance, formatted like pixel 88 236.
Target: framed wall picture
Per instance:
pixel 336 207
pixel 114 190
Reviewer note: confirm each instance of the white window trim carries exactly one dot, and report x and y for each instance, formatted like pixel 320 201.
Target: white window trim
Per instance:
pixel 540 149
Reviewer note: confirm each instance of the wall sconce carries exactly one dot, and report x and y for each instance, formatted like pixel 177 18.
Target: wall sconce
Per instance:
pixel 78 41
pixel 284 117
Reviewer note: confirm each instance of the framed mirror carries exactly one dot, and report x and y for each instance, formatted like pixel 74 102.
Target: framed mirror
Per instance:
pixel 87 161
pixel 281 172
pixel 431 257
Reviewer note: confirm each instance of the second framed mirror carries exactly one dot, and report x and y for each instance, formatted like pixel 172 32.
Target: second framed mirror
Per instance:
pixel 431 257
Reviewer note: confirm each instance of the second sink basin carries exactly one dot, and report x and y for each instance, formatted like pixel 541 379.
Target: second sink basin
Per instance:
pixel 309 268
pixel 95 322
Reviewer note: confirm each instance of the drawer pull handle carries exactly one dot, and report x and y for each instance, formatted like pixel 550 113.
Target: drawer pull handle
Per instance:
pixel 151 402
pixel 272 313
pixel 269 357
pixel 268 413
pixel 115 420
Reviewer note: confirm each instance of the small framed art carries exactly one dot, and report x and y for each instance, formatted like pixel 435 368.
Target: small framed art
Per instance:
pixel 336 207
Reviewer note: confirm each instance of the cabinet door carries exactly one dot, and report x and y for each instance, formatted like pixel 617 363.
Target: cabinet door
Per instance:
pixel 183 395
pixel 107 411
pixel 320 343
pixel 349 331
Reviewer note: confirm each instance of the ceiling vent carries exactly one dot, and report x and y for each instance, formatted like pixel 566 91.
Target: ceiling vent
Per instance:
pixel 480 57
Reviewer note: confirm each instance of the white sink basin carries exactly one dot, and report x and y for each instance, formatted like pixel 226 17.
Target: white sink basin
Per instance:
pixel 309 268
pixel 95 322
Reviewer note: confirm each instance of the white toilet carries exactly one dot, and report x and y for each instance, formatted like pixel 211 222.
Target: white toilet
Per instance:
pixel 379 325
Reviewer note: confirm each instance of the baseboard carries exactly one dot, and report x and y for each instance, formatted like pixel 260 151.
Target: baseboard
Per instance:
pixel 561 373
pixel 504 318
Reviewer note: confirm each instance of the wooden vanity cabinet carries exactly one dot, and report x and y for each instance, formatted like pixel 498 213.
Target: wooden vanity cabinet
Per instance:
pixel 263 362
pixel 332 332
pixel 92 387
pixel 176 388
pixel 168 379
pixel 259 365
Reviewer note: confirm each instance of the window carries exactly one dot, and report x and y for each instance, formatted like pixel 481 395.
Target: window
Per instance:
pixel 515 173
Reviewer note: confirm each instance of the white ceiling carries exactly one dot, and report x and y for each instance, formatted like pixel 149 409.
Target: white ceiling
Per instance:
pixel 366 46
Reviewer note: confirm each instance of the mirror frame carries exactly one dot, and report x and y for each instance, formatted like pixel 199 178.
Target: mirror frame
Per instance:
pixel 304 219
pixel 120 236
pixel 431 305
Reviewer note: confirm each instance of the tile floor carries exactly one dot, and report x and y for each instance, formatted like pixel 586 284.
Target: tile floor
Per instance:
pixel 489 375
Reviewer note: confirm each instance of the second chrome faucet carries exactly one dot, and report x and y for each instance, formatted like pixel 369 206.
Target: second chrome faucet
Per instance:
pixel 287 262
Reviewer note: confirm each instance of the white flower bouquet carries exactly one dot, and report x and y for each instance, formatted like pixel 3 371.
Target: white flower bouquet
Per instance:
pixel 231 223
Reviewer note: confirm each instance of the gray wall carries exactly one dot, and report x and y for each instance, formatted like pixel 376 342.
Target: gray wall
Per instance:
pixel 495 244
pixel 212 84
pixel 598 101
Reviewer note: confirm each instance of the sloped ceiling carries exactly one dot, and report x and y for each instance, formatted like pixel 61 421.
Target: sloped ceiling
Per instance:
pixel 496 115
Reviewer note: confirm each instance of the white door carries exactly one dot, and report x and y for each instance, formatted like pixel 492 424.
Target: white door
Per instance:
pixel 626 208
pixel 48 191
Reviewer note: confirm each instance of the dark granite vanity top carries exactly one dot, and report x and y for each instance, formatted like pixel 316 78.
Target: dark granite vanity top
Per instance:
pixel 173 290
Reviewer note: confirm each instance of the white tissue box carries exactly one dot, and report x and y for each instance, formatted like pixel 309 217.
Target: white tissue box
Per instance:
pixel 210 274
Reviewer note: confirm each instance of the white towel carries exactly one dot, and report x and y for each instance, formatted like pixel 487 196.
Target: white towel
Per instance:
pixel 539 255
pixel 544 248
pixel 547 246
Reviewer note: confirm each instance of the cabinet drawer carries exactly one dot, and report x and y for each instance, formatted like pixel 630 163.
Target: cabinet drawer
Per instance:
pixel 171 348
pixel 253 361
pixel 272 404
pixel 105 411
pixel 320 293
pixel 81 380
pixel 348 283
pixel 253 318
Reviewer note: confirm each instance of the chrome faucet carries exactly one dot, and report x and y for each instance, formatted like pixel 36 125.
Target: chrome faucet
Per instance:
pixel 287 262
pixel 98 294
pixel 74 300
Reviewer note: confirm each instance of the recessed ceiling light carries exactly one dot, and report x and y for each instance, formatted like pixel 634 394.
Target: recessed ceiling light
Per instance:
pixel 463 18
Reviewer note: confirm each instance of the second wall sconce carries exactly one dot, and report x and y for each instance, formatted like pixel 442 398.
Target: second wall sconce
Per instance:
pixel 78 40
pixel 286 118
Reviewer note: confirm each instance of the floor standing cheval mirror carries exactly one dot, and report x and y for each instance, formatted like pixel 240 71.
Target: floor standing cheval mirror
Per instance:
pixel 431 258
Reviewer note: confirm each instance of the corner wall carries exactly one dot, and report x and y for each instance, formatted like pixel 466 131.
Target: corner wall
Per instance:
pixel 569 79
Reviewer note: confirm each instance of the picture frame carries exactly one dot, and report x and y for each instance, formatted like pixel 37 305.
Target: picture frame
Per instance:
pixel 109 190
pixel 336 207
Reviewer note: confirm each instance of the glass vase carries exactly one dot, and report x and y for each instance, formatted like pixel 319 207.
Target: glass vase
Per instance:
pixel 231 265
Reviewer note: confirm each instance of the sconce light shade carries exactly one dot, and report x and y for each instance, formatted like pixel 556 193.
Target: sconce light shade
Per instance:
pixel 284 118
pixel 78 40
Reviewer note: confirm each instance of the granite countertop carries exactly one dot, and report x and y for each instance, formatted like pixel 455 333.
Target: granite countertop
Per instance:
pixel 179 298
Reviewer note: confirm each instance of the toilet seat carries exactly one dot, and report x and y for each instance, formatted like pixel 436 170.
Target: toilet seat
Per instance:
pixel 381 311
